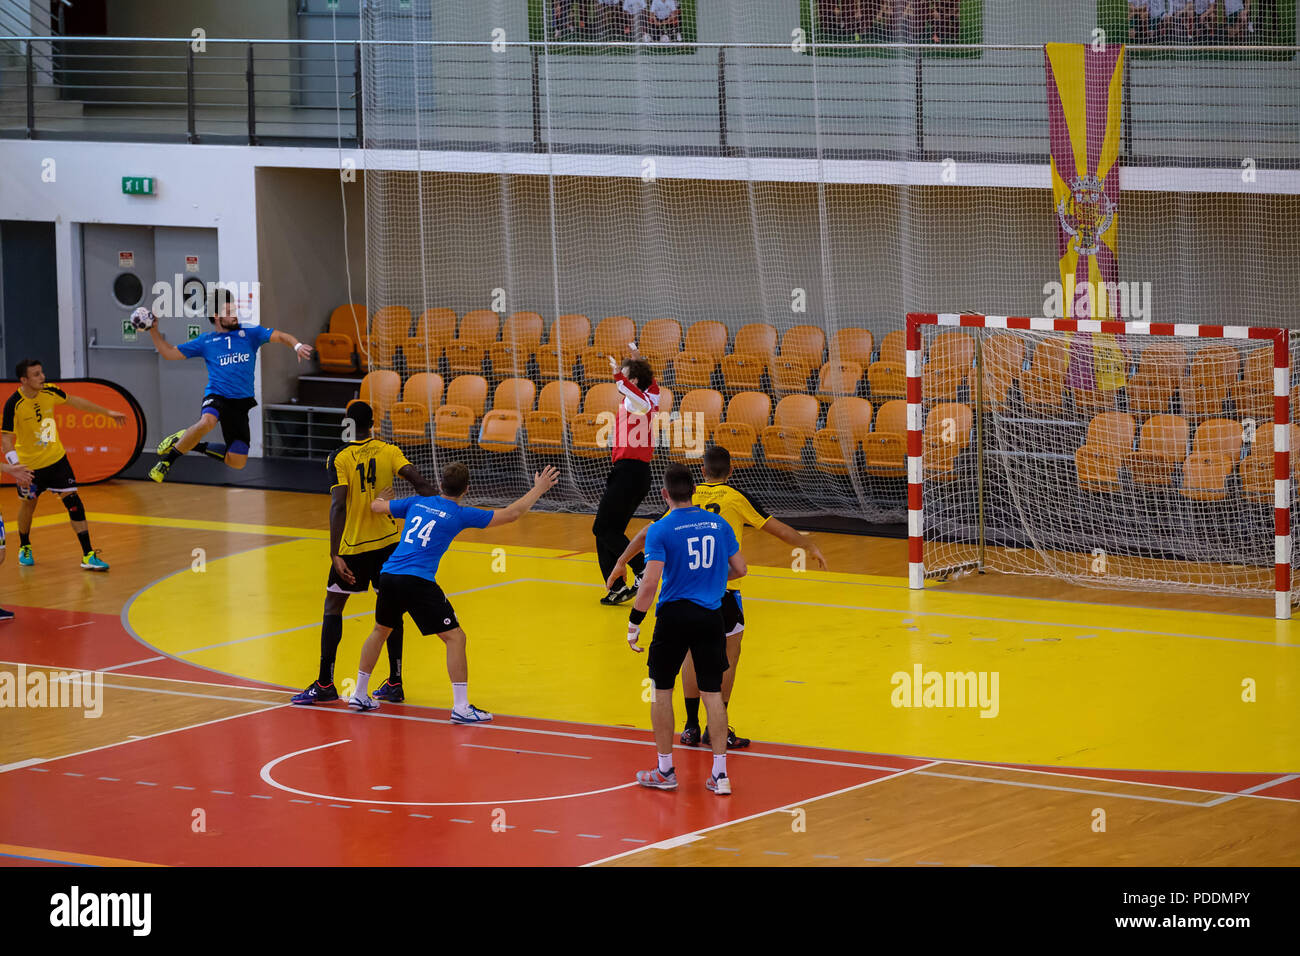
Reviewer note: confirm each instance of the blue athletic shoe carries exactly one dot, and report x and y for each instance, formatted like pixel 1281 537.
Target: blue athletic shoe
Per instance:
pixel 317 693
pixel 92 562
pixel 25 556
pixel 389 691
pixel 472 716
pixel 6 615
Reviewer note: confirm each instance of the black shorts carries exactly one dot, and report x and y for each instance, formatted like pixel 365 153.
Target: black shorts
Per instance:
pixel 682 626
pixel 419 597
pixel 364 566
pixel 56 477
pixel 733 613
pixel 232 413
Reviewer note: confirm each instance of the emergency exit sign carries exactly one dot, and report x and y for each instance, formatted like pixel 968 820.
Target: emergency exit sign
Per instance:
pixel 138 185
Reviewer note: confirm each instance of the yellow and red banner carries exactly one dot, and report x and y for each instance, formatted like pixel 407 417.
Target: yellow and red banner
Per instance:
pixel 1085 105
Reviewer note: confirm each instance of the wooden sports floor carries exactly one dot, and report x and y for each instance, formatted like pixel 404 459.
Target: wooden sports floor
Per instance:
pixel 1125 729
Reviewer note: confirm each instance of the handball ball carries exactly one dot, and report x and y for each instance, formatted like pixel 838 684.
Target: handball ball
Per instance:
pixel 142 318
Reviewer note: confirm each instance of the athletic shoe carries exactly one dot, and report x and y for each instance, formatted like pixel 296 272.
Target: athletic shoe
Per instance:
pixel 6 615
pixel 657 779
pixel 721 784
pixel 612 596
pixel 733 742
pixel 621 595
pixel 317 693
pixel 690 735
pixel 169 442
pixel 390 691
pixel 159 471
pixel 25 556
pixel 474 716
pixel 357 702
pixel 92 562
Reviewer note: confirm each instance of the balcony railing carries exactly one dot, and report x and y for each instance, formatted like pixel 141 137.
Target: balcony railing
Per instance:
pixel 719 99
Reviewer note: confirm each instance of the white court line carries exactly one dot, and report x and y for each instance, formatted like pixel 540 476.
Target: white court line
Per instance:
pixel 18 765
pixel 173 680
pixel 82 624
pixel 1254 791
pixel 539 753
pixel 118 667
pixel 265 774
pixel 696 834
pixel 1047 786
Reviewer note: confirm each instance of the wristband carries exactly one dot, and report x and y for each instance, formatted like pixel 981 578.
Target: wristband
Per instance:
pixel 636 617
pixel 12 457
pixel 300 345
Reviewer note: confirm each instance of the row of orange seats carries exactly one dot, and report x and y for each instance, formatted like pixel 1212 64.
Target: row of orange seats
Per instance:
pixel 1214 455
pixel 1205 380
pixel 420 411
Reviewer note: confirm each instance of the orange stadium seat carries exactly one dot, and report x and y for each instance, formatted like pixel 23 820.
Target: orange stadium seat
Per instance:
pixel 613 336
pixel 1208 381
pixel 707 405
pixel 694 370
pixel 389 328
pixel 886 380
pixel 743 372
pixel 469 391
pixel 739 439
pixel 346 322
pixel 1216 448
pixel 1043 384
pixel 660 341
pixel 838 379
pixel 1001 356
pixel 598 409
pixel 500 430
pixel 1161 366
pixel 947 366
pixel 885 449
pixel 790 374
pixel 947 433
pixel 893 348
pixel 1162 446
pixel 421 394
pixel 424 347
pixel 755 339
pixel 793 424
pixel 804 342
pixel 452 425
pixel 1253 395
pixel 1257 473
pixel 516 394
pixel 752 408
pixel 380 389
pixel 569 336
pixel 853 345
pixel 1107 447
pixel 521 335
pixel 706 338
pixel 848 422
pixel 559 402
pixel 424 388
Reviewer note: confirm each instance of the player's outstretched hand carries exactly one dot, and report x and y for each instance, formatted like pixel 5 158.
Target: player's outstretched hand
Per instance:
pixel 341 568
pixel 303 351
pixel 20 473
pixel 634 635
pixel 817 556
pixel 546 478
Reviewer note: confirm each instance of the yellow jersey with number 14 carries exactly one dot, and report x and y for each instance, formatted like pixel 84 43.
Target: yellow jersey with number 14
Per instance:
pixel 366 468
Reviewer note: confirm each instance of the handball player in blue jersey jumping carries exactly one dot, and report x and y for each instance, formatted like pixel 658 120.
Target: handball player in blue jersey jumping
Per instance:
pixel 408 580
pixel 231 353
pixel 696 553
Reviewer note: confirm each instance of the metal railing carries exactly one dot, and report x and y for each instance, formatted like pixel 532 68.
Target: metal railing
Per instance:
pixel 894 101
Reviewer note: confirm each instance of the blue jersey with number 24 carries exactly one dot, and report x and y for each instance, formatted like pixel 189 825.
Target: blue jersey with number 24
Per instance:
pixel 694 546
pixel 431 524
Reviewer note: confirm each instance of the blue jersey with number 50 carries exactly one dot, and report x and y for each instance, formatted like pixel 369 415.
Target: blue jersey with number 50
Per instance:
pixel 431 523
pixel 694 546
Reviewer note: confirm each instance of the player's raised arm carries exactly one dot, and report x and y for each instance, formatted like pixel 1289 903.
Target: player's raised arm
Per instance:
pixel 543 481
pixel 84 405
pixel 794 539
pixel 301 349
pixel 165 348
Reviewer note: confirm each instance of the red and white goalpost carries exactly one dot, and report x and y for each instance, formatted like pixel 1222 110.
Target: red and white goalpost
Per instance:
pixel 1021 475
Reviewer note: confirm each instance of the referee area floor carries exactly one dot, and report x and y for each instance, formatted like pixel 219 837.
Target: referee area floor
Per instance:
pixel 1110 733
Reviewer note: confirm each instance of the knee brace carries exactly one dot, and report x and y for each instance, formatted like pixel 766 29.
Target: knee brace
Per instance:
pixel 76 510
pixel 237 447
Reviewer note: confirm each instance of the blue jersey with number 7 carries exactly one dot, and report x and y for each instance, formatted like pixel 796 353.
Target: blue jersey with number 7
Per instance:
pixel 694 546
pixel 430 525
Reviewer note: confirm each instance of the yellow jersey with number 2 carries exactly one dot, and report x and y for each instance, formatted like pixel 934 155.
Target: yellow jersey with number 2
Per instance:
pixel 734 507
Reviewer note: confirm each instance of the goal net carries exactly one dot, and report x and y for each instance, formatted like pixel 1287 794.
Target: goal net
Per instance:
pixel 1110 454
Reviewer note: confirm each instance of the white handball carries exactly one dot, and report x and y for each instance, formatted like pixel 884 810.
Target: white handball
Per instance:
pixel 142 319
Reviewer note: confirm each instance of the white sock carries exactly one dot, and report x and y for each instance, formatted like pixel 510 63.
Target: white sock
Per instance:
pixel 363 684
pixel 665 763
pixel 719 764
pixel 460 697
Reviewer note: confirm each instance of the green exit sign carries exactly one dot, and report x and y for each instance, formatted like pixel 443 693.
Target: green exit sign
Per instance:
pixel 138 185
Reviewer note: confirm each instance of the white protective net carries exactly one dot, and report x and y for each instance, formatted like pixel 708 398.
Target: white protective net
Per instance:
pixel 760 191
pixel 1136 461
